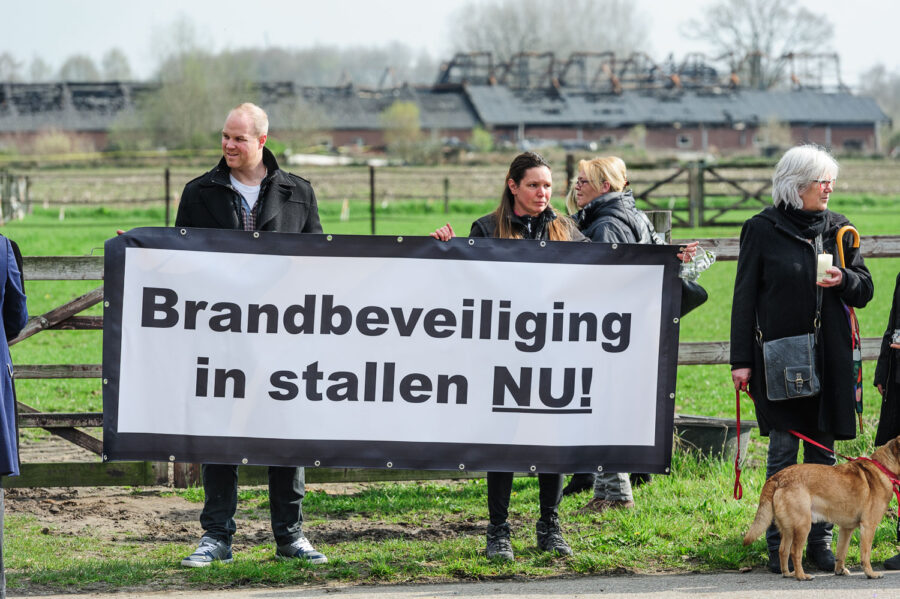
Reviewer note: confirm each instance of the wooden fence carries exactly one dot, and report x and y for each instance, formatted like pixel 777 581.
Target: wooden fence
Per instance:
pixel 697 193
pixel 67 425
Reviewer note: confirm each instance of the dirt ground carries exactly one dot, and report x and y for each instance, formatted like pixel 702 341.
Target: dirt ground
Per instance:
pixel 153 514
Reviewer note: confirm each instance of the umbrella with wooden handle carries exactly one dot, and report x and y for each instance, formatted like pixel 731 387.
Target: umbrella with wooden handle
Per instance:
pixel 854 325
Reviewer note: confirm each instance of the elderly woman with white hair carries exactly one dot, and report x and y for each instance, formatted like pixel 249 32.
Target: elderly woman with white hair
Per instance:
pixel 778 295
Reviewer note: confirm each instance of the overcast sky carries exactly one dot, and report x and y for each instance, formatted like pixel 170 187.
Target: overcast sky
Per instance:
pixel 865 30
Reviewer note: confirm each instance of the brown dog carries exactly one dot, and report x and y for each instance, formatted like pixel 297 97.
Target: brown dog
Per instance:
pixel 852 495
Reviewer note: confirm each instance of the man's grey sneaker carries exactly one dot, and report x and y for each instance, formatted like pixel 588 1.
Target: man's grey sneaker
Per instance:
pixel 301 549
pixel 549 538
pixel 210 550
pixel 498 545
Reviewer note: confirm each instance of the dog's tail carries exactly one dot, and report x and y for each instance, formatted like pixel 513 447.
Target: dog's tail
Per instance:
pixel 764 513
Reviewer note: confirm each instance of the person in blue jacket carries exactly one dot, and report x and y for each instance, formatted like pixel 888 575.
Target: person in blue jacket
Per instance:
pixel 13 315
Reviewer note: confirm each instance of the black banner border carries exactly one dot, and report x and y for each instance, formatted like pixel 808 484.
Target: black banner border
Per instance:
pixel 377 454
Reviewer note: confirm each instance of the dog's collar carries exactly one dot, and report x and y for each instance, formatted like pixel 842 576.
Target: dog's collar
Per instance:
pixel 891 476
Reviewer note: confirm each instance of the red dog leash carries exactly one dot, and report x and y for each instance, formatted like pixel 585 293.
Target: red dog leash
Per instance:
pixel 891 476
pixel 739 490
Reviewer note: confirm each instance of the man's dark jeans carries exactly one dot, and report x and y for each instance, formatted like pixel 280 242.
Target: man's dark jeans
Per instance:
pixel 783 449
pixel 286 490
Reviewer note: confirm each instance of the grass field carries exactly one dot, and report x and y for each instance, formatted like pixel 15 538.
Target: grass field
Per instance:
pixel 684 522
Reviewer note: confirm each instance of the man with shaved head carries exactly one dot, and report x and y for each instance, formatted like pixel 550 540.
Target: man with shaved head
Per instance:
pixel 247 191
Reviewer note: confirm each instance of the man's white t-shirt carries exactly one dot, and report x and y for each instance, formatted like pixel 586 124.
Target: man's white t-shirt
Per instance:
pixel 249 192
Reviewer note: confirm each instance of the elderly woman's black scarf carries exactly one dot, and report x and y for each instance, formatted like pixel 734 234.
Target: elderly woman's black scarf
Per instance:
pixel 809 223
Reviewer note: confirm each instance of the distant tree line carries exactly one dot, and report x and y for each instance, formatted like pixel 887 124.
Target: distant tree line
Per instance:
pixel 197 86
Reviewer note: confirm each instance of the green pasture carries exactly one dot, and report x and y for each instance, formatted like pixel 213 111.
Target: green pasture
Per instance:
pixel 683 522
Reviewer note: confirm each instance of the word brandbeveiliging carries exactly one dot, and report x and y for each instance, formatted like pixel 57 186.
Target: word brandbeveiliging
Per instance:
pixel 484 319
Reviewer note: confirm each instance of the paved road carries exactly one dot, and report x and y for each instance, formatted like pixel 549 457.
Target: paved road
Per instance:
pixel 682 586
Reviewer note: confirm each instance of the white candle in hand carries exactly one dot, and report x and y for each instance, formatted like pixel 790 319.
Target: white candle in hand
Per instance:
pixel 822 266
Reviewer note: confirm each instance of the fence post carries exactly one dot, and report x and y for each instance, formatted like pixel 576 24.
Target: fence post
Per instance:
pixel 168 197
pixel 446 195
pixel 372 195
pixel 695 193
pixel 186 475
pixel 159 471
pixel 27 195
pixel 5 196
pixel 662 222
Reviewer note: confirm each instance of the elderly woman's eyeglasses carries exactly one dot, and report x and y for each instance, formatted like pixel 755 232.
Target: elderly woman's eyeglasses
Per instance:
pixel 579 182
pixel 823 183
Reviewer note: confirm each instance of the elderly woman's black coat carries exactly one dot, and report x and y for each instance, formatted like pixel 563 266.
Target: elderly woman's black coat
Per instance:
pixel 887 374
pixel 775 279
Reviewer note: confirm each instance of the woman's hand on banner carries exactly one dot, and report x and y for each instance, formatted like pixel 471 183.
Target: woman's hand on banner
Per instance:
pixel 444 233
pixel 741 378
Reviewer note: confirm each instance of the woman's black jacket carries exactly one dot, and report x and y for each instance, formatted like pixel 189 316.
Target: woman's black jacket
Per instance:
pixel 529 227
pixel 887 374
pixel 775 282
pixel 614 218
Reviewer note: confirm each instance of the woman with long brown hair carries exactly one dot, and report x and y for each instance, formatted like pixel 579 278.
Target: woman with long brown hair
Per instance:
pixel 524 213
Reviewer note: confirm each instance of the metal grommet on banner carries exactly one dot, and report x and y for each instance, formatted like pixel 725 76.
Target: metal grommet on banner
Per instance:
pixel 104 457
pixel 106 304
pixel 171 458
pixel 471 242
pixel 400 239
pixel 599 468
pixel 462 466
pixel 671 396
pixel 256 235
pixel 675 321
pixel 183 231
pixel 390 464
pixel 317 463
pixel 543 244
pixel 244 461
pixel 328 238
pixel 533 468
pixel 667 470
pixel 615 246
pixel 105 381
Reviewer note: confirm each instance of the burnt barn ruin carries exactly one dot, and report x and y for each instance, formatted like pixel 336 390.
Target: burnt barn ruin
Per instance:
pixel 588 101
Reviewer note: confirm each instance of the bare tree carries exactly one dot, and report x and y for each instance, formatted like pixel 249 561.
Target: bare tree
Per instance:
pixel 116 66
pixel 297 123
pixel 393 63
pixel 79 67
pixel 507 27
pixel 761 31
pixel 402 129
pixel 195 93
pixel 9 67
pixel 884 86
pixel 39 71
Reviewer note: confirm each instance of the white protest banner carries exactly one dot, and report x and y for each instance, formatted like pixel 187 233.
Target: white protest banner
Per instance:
pixel 349 351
